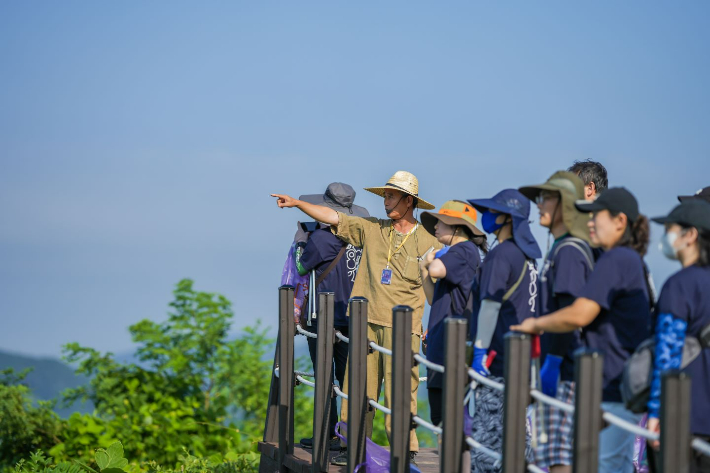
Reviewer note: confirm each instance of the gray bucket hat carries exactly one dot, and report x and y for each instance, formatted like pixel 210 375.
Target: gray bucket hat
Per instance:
pixel 339 197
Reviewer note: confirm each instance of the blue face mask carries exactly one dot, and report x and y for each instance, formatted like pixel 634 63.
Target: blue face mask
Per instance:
pixel 488 220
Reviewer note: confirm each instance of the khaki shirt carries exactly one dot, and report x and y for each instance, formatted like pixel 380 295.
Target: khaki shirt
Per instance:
pixel 373 236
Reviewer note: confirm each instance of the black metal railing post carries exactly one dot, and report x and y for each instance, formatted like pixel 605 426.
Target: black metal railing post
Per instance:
pixel 455 380
pixel 287 330
pixel 271 425
pixel 516 400
pixel 323 397
pixel 588 368
pixel 402 359
pixel 675 422
pixel 357 382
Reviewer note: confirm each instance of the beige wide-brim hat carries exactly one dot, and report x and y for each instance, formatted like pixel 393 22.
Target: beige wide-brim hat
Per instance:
pixel 406 182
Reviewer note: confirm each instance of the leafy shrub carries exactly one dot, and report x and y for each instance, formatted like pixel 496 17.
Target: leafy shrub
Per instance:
pixel 111 460
pixel 195 398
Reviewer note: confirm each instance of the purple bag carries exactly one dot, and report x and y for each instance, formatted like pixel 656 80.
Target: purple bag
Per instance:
pixel 640 461
pixel 290 277
pixel 377 459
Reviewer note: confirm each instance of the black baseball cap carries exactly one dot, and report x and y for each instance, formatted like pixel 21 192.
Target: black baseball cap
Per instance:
pixel 690 213
pixel 616 199
pixel 703 193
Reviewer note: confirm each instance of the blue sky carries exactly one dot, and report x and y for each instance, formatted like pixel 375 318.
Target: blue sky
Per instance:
pixel 139 141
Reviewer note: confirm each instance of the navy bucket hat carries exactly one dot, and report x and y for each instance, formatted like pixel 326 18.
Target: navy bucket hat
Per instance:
pixel 515 204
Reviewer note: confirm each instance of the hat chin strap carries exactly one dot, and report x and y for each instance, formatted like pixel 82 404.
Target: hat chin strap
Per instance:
pixel 396 205
pixel 552 224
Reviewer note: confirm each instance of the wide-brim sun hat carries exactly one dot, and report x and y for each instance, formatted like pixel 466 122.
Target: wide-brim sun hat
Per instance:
pixel 515 204
pixel 406 182
pixel 452 213
pixel 339 197
pixel 570 189
pixel 690 213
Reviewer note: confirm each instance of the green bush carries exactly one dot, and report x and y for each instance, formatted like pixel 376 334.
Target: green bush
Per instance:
pixel 111 460
pixel 195 397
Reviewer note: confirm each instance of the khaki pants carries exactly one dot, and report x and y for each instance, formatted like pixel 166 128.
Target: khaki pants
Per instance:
pixel 379 367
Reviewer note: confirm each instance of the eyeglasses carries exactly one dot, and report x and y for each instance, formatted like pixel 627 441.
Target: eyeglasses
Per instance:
pixel 543 196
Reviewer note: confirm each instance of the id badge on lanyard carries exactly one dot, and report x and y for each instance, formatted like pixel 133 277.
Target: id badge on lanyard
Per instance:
pixel 387 272
pixel 386 276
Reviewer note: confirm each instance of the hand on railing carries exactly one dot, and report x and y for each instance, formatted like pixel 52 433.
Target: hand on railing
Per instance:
pixel 654 425
pixel 479 364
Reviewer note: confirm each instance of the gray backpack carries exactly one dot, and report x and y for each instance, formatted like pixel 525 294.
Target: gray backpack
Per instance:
pixel 638 369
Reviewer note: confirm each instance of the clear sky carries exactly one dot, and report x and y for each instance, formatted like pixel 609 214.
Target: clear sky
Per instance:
pixel 139 141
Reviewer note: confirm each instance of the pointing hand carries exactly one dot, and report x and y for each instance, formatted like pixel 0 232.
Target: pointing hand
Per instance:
pixel 284 201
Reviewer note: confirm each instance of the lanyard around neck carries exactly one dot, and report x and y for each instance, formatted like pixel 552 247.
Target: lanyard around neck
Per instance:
pixel 389 248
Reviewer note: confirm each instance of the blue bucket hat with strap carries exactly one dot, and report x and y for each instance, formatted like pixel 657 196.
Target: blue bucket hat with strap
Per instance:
pixel 515 204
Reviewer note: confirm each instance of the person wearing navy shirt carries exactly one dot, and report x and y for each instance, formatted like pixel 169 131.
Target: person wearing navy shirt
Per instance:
pixel 321 249
pixel 454 268
pixel 506 294
pixel 683 310
pixel 613 310
pixel 326 252
pixel 568 264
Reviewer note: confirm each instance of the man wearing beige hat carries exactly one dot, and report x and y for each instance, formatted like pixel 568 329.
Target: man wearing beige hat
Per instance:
pixel 389 275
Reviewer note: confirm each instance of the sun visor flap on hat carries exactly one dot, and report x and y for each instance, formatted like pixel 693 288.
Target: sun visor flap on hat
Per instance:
pixel 570 188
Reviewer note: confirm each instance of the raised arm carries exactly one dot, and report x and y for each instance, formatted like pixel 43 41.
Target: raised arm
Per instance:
pixel 316 212
pixel 580 314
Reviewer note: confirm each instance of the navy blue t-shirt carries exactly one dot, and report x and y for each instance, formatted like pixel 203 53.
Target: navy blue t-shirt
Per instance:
pixel 451 293
pixel 500 270
pixel 563 276
pixel 320 251
pixel 685 296
pixel 618 285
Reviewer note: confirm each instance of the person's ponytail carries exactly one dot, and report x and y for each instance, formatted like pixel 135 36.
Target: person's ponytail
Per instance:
pixel 479 240
pixel 703 248
pixel 637 235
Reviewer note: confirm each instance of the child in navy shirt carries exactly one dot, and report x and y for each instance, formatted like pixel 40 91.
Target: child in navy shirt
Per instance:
pixel 564 273
pixel 612 309
pixel 506 293
pixel 454 268
pixel 683 310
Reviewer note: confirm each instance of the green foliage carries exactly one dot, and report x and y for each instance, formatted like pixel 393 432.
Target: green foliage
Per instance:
pixel 196 400
pixel 39 463
pixel 23 427
pixel 111 458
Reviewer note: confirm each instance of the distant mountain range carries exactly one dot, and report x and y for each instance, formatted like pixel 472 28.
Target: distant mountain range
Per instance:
pixel 48 378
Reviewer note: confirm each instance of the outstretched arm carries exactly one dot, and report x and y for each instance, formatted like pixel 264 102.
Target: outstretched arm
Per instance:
pixel 580 314
pixel 316 212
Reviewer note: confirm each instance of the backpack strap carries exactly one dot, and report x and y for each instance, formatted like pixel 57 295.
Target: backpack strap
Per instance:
pixel 580 245
pixel 331 266
pixel 515 286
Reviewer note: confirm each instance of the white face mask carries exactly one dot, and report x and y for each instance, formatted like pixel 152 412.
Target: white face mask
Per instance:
pixel 667 245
